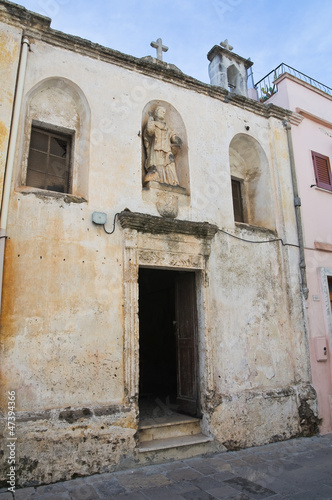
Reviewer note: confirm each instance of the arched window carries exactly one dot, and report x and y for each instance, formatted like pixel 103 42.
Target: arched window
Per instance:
pixel 233 78
pixel 56 139
pixel 251 182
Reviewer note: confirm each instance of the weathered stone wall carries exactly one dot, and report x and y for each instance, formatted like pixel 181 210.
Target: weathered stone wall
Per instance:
pixel 10 46
pixel 70 290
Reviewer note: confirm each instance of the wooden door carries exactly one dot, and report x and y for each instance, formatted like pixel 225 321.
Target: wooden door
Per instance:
pixel 186 330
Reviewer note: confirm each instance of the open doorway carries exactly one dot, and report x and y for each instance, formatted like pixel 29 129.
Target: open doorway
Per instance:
pixel 168 360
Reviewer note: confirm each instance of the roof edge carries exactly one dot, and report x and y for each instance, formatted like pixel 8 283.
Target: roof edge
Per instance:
pixel 37 27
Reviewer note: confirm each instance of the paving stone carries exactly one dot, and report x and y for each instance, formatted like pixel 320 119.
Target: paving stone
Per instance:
pixel 96 478
pixel 322 453
pixel 304 477
pixel 181 487
pixel 328 480
pixel 51 488
pixel 54 496
pixel 107 488
pixel 201 465
pixel 219 464
pixel 290 464
pixel 252 459
pixel 267 469
pixel 83 492
pixel 222 476
pixel 299 469
pixel 206 483
pixel 235 461
pixel 160 494
pixel 129 496
pixel 25 494
pixel 286 489
pixel 197 495
pixel 154 469
pixel 139 480
pixel 239 496
pixel 321 491
pixel 248 473
pixel 310 495
pixel 236 464
pixel 79 481
pixel 6 495
pixel 174 464
pixel 224 492
pixel 185 473
pixel 250 488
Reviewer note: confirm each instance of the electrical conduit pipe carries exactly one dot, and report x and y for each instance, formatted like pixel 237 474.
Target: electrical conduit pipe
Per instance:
pixel 11 152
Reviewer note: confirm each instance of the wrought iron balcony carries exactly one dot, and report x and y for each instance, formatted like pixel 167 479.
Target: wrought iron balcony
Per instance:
pixel 266 87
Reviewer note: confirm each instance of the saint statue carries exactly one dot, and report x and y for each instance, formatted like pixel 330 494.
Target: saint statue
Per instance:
pixel 160 144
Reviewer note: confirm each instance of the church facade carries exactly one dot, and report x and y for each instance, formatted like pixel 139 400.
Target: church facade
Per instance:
pixel 151 260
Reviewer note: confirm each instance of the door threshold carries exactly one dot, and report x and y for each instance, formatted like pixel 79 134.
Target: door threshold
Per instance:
pixel 166 420
pixel 173 442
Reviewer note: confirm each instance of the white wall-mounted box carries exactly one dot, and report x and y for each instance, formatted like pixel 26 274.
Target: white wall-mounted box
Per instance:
pixel 321 348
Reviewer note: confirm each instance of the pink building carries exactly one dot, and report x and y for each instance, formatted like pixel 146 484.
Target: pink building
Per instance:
pixel 311 136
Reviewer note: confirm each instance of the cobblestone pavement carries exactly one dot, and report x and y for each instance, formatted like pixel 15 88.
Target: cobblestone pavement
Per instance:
pixel 296 469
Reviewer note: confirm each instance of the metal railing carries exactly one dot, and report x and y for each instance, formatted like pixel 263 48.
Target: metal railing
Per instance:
pixel 266 87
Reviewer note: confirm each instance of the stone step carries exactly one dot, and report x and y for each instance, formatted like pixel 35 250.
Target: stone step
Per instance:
pixel 173 442
pixel 164 429
pixel 160 451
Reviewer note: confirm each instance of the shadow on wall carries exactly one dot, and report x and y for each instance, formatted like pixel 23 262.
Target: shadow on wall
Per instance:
pixel 249 165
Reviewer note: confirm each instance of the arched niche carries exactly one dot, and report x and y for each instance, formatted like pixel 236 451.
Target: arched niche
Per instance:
pixel 174 122
pixel 249 165
pixel 59 105
pixel 233 78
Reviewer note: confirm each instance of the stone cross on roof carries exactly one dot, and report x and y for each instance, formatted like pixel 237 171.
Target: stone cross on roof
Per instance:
pixel 160 48
pixel 226 45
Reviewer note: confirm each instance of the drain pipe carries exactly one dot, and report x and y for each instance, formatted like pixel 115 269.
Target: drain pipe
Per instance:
pixel 11 151
pixel 297 204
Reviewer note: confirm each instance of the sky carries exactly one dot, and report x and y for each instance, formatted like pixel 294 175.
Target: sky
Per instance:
pixel 295 32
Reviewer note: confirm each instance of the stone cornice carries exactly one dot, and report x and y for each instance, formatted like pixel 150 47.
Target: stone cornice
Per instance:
pixel 37 27
pixel 145 223
pixel 13 13
pixel 305 114
pixel 217 49
pixel 296 118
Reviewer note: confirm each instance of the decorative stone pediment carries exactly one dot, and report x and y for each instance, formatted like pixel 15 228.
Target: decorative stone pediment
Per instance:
pixel 161 225
pixel 162 243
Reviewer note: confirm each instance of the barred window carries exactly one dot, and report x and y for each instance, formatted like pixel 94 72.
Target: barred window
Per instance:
pixel 49 161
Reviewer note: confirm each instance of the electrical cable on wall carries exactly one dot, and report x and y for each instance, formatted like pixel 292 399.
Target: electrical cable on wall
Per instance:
pixel 222 231
pixel 262 241
pixel 111 232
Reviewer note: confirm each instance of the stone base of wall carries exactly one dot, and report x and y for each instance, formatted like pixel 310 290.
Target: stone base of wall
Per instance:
pixel 254 418
pixel 57 445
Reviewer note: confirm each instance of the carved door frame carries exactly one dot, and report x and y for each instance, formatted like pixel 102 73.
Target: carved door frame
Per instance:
pixel 169 245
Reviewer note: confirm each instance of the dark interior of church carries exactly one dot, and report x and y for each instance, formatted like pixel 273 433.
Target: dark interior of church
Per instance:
pixel 157 344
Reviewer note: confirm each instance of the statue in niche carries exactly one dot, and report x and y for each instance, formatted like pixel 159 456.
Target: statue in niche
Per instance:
pixel 160 144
